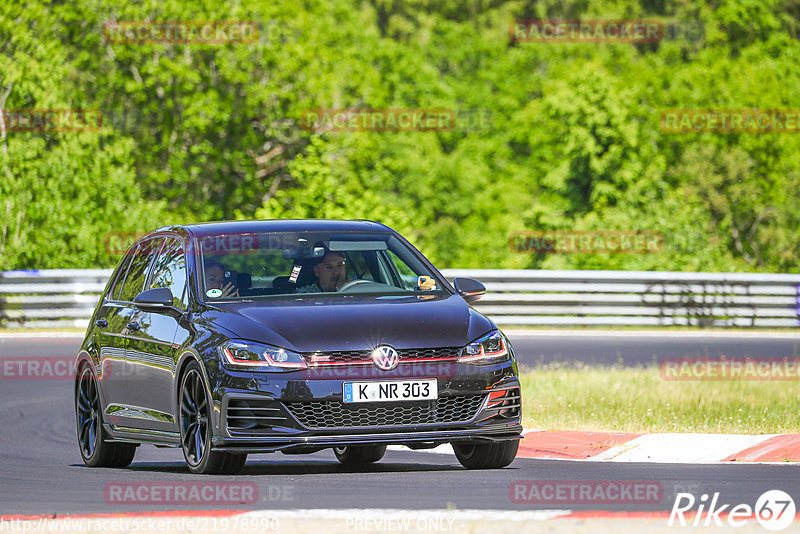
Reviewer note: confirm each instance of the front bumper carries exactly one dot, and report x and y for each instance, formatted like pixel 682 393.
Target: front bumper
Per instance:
pixel 478 403
pixel 417 439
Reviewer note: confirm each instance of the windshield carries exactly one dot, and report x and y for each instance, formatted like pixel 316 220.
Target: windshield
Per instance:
pixel 276 265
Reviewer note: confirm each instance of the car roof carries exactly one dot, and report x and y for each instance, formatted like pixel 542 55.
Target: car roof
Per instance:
pixel 276 225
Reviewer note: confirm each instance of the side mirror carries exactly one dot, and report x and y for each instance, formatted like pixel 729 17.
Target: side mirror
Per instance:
pixel 157 297
pixel 470 289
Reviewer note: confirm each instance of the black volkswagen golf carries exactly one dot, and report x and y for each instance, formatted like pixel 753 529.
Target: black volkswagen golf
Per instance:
pixel 233 338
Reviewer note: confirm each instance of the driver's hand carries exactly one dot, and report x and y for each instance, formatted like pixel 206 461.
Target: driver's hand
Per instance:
pixel 229 290
pixel 339 282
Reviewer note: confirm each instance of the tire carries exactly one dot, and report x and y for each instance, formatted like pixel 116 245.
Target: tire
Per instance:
pixel 195 425
pixel 234 463
pixel 494 455
pixel 359 455
pixel 93 442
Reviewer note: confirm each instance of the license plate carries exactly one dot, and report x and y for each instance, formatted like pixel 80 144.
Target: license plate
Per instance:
pixel 391 390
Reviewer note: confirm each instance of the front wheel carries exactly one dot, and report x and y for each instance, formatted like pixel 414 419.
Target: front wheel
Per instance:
pixel 494 455
pixel 359 455
pixel 195 423
pixel 96 450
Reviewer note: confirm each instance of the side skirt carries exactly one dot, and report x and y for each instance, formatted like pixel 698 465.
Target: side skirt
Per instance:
pixel 135 435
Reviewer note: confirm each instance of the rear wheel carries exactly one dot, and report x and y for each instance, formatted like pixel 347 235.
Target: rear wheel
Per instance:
pixel 359 455
pixel 494 455
pixel 96 450
pixel 195 424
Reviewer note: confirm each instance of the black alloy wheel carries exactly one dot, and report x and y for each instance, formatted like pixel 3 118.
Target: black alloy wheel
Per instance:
pixel 96 449
pixel 195 425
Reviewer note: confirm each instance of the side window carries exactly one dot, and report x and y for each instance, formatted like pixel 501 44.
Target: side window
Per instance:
pixel 169 270
pixel 358 265
pixel 408 278
pixel 137 274
pixel 119 276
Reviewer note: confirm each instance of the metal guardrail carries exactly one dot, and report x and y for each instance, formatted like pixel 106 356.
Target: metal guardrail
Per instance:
pixel 66 298
pixel 647 298
pixel 52 298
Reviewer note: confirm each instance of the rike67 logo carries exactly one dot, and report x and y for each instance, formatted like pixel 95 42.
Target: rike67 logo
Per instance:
pixel 774 510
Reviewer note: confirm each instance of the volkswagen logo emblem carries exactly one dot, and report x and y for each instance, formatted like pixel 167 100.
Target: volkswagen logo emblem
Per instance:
pixel 385 358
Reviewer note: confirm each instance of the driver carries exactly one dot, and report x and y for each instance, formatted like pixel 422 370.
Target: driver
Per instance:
pixel 330 273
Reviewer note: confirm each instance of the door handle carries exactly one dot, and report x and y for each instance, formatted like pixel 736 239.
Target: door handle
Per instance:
pixel 101 323
pixel 133 326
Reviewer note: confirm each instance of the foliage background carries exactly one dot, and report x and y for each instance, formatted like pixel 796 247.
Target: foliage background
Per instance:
pixel 550 136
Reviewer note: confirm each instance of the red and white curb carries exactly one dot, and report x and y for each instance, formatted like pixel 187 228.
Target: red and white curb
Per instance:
pixel 654 448
pixel 373 515
pixel 338 520
pixel 271 520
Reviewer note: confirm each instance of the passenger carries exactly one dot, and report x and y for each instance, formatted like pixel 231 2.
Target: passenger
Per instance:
pixel 215 279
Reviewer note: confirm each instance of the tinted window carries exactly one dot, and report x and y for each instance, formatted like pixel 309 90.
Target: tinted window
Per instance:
pixel 119 276
pixel 137 274
pixel 169 270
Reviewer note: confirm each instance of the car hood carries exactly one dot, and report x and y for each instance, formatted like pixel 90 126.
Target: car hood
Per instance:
pixel 354 323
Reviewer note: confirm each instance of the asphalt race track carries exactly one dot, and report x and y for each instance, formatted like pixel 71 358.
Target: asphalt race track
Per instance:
pixel 631 348
pixel 41 470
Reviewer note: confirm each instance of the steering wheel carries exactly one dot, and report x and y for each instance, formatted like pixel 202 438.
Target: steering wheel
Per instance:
pixel 352 283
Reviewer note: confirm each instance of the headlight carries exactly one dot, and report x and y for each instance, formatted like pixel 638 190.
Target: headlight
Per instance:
pixel 490 348
pixel 244 354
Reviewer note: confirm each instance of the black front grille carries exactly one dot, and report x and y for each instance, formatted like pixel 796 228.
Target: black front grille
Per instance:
pixel 254 414
pixel 336 414
pixel 365 356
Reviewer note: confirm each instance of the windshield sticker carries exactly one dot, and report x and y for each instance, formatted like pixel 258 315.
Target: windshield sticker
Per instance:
pixel 214 293
pixel 295 274
pixel 426 283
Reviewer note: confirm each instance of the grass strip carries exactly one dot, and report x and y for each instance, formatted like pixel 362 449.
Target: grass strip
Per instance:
pixel 580 397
